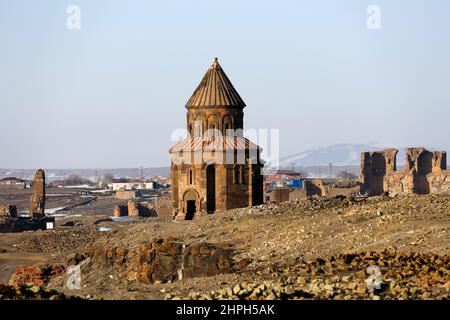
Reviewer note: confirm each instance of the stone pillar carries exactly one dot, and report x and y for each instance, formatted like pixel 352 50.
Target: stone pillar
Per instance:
pixel 365 172
pixel 222 184
pixel 7 211
pixel 391 160
pixel 439 161
pixel 133 210
pixel 37 201
pixel 250 184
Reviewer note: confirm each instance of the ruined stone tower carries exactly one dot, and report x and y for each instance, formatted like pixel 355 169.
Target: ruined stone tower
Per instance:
pixel 215 168
pixel 37 201
pixel 425 172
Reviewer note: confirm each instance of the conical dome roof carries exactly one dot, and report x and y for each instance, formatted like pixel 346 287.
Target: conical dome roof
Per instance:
pixel 215 90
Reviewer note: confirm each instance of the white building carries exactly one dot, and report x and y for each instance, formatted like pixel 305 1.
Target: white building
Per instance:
pixel 131 184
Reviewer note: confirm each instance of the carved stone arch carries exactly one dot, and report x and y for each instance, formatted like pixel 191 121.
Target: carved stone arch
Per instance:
pixel 190 124
pixel 191 203
pixel 207 163
pixel 200 116
pixel 227 122
pixel 190 175
pixel 213 121
pixel 238 174
pixel 191 194
pixel 200 124
pixel 211 187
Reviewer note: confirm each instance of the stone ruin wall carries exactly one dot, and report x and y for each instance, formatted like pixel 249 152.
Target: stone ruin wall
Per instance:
pixel 37 201
pixel 163 206
pixel 425 172
pixel 313 187
pixel 7 212
pixel 133 209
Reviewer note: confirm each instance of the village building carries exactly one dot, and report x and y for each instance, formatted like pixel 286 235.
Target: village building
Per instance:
pixel 132 184
pixel 283 178
pixel 14 182
pixel 215 168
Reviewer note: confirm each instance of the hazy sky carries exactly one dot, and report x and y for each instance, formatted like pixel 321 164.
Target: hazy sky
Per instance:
pixel 110 94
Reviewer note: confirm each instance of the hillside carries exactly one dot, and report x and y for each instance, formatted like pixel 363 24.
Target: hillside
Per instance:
pixel 282 246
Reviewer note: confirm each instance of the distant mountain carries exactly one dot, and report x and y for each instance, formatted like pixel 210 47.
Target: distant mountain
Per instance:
pixel 314 162
pixel 337 155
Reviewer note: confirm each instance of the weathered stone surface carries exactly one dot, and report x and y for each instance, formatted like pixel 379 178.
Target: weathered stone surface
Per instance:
pixel 138 210
pixel 344 277
pixel 114 257
pixel 161 207
pixel 127 194
pixel 37 201
pixel 7 211
pixel 163 260
pixel 204 259
pixel 425 172
pixel 120 211
pixel 36 275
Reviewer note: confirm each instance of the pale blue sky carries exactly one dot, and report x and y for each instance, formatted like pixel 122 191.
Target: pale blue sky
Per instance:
pixel 110 94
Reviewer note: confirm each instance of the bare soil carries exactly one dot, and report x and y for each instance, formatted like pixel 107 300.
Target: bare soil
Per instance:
pixel 270 236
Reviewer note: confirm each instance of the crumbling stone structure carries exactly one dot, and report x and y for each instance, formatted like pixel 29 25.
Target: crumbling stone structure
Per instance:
pixel 7 211
pixel 163 206
pixel 36 274
pixel 37 201
pixel 127 194
pixel 425 172
pixel 120 211
pixel 133 209
pixel 215 168
pixel 164 260
pixel 312 187
pixel 139 210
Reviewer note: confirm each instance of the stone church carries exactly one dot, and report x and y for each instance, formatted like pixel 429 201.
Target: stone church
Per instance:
pixel 215 168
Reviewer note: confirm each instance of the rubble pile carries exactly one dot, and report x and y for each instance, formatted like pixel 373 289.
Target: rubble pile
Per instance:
pixel 346 276
pixel 7 211
pixel 59 240
pixel 27 292
pixel 318 248
pixel 36 275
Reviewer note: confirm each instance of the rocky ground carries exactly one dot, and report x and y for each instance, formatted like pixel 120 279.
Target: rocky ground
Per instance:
pixel 313 249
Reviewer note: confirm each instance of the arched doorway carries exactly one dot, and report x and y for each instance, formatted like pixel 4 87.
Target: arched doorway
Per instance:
pixel 190 199
pixel 211 188
pixel 257 187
